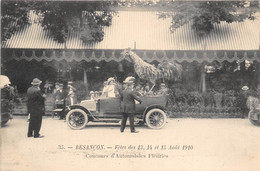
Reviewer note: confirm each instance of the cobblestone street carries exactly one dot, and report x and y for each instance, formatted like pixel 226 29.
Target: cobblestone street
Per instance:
pixel 183 144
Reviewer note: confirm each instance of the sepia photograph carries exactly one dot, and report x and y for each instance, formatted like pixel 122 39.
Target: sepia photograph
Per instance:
pixel 130 85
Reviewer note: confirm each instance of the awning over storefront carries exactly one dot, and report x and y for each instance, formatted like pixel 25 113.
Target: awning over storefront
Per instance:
pixel 115 55
pixel 143 32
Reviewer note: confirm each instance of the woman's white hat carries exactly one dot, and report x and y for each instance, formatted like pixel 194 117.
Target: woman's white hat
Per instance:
pixel 4 80
pixel 110 79
pixel 129 80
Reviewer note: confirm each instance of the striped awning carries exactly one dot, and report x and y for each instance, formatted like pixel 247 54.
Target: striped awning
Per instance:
pixel 115 55
pixel 149 36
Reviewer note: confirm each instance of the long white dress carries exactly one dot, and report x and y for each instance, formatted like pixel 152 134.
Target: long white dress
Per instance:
pixel 110 89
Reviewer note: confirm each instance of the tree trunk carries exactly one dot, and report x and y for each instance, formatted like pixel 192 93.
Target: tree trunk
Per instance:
pixel 85 79
pixel 203 80
pixel 81 18
pixel 242 73
pixel 70 75
pixel 257 75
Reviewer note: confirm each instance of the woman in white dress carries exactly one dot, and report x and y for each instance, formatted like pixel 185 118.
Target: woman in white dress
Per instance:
pixel 111 87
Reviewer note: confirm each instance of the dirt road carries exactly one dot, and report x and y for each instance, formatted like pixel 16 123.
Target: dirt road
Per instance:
pixel 183 144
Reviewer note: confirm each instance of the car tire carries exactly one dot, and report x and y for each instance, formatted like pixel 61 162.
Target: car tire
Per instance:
pixel 76 119
pixel 155 118
pixel 254 122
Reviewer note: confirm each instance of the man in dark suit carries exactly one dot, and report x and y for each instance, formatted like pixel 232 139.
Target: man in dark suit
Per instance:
pixel 35 107
pixel 128 97
pixel 60 103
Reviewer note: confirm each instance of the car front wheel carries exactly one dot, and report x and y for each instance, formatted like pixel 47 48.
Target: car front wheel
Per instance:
pixel 77 119
pixel 155 118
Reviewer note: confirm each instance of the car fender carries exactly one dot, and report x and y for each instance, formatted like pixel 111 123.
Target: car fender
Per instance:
pixel 82 108
pixel 153 107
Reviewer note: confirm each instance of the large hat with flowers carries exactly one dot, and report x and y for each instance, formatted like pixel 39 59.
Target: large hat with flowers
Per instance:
pixel 129 80
pixel 110 79
pixel 4 80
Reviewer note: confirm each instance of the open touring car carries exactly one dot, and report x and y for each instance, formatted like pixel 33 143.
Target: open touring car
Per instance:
pixel 151 111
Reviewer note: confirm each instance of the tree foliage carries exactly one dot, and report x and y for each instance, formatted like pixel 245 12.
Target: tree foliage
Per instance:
pixel 88 17
pixel 14 17
pixel 204 14
pixel 233 76
pixel 85 17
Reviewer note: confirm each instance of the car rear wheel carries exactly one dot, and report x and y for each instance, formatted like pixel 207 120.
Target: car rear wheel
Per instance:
pixel 155 118
pixel 77 119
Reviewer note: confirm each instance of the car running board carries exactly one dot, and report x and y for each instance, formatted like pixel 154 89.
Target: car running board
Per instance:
pixel 114 120
pixel 107 120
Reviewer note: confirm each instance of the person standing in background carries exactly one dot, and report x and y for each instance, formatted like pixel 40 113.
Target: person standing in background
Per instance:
pixel 163 90
pixel 104 91
pixel 36 108
pixel 110 90
pixel 60 96
pixel 56 88
pixel 47 87
pixel 71 93
pixel 54 93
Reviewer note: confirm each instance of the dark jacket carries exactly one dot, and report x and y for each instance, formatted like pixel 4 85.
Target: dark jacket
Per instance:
pixel 35 103
pixel 128 96
pixel 60 96
pixel 5 93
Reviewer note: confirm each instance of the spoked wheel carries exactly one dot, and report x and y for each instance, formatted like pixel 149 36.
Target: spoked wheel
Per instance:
pixel 253 118
pixel 77 119
pixel 155 118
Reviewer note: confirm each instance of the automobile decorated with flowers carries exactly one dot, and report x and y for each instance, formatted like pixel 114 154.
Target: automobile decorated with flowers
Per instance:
pixel 152 111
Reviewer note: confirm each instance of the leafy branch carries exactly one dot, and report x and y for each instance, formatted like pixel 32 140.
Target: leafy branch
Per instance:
pixel 204 14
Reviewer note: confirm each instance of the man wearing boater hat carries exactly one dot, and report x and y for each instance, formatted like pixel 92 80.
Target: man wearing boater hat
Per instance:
pixel 128 97
pixel 35 107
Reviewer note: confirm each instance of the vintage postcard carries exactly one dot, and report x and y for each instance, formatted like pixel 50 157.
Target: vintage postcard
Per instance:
pixel 130 85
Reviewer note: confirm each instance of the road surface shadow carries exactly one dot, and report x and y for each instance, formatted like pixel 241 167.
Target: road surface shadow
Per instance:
pixel 5 126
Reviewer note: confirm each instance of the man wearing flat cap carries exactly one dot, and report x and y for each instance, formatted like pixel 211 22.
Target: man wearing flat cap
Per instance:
pixel 35 106
pixel 128 97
